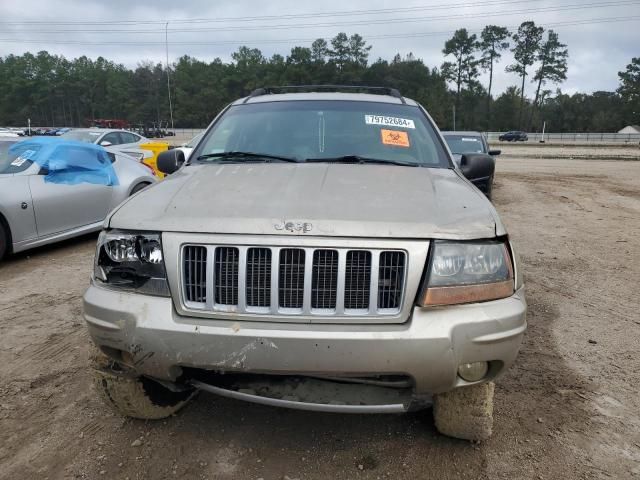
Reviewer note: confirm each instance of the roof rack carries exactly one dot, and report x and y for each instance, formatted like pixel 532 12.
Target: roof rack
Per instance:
pixel 258 92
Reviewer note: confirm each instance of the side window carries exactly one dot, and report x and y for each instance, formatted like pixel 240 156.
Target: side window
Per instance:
pixel 113 138
pixel 128 137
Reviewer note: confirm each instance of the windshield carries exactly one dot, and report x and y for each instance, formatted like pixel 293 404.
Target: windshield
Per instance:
pixel 304 130
pixel 86 136
pixel 18 160
pixel 461 144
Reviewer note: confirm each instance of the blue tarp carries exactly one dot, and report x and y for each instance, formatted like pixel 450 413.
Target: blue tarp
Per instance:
pixel 67 162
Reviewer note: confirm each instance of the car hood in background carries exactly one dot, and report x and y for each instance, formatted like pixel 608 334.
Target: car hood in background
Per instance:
pixel 373 201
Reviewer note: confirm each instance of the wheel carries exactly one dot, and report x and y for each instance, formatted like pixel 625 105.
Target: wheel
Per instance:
pixel 132 395
pixel 139 187
pixel 466 412
pixel 3 241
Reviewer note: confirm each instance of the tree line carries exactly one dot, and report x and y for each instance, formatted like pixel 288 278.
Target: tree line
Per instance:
pixel 52 90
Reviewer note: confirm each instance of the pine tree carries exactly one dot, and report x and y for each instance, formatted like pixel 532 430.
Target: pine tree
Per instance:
pixel 553 57
pixel 527 43
pixel 493 41
pixel 464 69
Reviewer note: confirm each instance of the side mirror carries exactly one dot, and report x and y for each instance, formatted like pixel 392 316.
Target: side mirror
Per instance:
pixel 495 153
pixel 170 161
pixel 476 166
pixel 106 143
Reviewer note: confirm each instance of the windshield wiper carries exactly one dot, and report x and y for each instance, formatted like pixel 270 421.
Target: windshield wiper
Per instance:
pixel 361 160
pixel 235 155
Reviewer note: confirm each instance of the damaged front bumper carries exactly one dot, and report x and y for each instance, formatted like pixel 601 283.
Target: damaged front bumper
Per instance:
pixel 149 335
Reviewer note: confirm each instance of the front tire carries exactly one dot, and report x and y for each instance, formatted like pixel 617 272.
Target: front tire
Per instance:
pixel 132 395
pixel 466 412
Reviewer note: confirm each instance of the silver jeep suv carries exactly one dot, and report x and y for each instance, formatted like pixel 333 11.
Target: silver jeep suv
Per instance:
pixel 319 250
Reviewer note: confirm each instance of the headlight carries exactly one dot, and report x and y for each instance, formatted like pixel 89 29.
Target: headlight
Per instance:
pixel 131 261
pixel 465 272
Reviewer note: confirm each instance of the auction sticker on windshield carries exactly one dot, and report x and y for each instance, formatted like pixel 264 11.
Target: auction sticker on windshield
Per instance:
pixel 24 156
pixel 389 121
pixel 395 138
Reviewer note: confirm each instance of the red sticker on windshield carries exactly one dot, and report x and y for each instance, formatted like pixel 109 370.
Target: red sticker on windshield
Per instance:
pixel 395 138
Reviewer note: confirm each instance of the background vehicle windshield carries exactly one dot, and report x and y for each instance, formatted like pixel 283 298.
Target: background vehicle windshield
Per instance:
pixel 86 136
pixel 15 161
pixel 327 129
pixel 461 144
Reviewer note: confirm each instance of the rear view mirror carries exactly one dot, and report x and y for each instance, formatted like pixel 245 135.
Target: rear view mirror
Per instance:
pixel 105 143
pixel 495 153
pixel 476 166
pixel 170 161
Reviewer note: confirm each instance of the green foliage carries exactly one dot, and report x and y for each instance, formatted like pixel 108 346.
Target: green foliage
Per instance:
pixel 493 42
pixel 319 50
pixel 525 50
pixel 463 70
pixel 630 90
pixel 552 57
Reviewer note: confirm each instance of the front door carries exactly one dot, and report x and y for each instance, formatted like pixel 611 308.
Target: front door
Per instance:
pixel 71 192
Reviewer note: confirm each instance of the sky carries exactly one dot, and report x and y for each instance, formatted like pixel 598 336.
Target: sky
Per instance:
pixel 602 35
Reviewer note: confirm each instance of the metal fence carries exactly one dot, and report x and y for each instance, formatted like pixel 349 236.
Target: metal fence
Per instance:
pixel 632 138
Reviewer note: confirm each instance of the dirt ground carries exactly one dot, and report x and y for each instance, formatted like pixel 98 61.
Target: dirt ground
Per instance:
pixel 569 408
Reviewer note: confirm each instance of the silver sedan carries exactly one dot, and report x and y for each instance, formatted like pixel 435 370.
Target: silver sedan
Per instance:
pixel 51 190
pixel 106 137
pixel 124 141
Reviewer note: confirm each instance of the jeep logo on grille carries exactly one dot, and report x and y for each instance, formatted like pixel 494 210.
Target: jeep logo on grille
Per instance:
pixel 303 227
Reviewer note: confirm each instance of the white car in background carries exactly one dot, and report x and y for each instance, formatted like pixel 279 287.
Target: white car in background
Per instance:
pixel 6 133
pixel 188 147
pixel 121 140
pixel 105 137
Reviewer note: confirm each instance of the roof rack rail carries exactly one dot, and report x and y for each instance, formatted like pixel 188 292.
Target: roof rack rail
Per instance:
pixel 258 92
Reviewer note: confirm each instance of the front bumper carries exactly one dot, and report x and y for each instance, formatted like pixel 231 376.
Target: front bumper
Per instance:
pixel 428 348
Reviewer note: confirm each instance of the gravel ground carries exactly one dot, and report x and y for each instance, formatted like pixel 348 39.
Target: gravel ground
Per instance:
pixel 568 409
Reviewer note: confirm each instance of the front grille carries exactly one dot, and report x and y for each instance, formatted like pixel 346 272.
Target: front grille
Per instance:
pixel 195 274
pixel 293 281
pixel 324 281
pixel 291 278
pixel 258 278
pixel 357 282
pixel 390 279
pixel 226 276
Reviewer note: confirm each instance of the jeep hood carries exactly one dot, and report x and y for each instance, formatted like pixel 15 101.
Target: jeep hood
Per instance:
pixel 341 200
